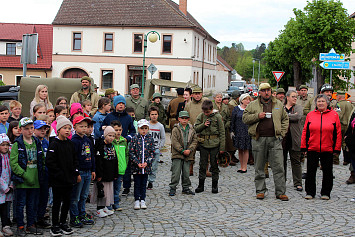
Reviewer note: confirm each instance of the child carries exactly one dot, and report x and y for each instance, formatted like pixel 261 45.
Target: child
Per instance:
pixel 6 186
pixel 26 162
pixel 63 172
pixel 128 131
pixel 13 132
pixel 90 131
pixel 58 110
pixel 15 108
pixel 121 149
pixel 4 116
pixel 210 129
pixel 141 154
pixel 75 111
pixel 157 131
pixel 41 129
pixel 85 155
pixel 87 106
pixel 104 106
pixel 106 172
pixel 51 116
pixel 156 101
pixel 183 146
pixel 130 112
pixel 38 110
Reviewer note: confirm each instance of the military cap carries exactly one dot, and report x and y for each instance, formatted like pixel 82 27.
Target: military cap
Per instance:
pixel 109 91
pixel 133 86
pixel 280 90
pixel 264 86
pixel 184 114
pixel 341 92
pixel 197 89
pixel 86 78
pixel 303 87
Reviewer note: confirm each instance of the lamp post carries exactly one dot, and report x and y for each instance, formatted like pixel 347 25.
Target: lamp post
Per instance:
pixel 253 68
pixel 259 73
pixel 153 37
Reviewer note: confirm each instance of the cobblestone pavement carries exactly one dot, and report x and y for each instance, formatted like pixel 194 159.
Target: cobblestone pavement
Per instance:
pixel 234 211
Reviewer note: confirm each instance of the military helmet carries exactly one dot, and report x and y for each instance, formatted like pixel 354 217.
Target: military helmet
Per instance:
pixel 157 95
pixel 236 94
pixel 326 87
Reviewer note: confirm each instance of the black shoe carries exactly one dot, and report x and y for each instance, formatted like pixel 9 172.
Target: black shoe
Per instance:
pixel 172 192
pixel 43 224
pixel 161 162
pixel 33 230
pixel 66 229
pixel 56 231
pixel 188 192
pixel 201 186
pixel 215 186
pixel 125 192
pixel 150 186
pixel 75 222
pixel 304 175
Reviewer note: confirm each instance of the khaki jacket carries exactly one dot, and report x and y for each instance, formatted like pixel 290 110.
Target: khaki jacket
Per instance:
pixel 344 114
pixel 233 102
pixel 215 129
pixel 303 102
pixel 194 109
pixel 225 113
pixel 296 126
pixel 79 96
pixel 140 107
pixel 279 117
pixel 177 143
pixel 173 106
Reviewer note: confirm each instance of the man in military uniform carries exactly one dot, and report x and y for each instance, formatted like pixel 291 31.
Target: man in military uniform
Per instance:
pixel 302 100
pixel 173 107
pixel 235 98
pixel 280 94
pixel 139 104
pixel 156 101
pixel 85 93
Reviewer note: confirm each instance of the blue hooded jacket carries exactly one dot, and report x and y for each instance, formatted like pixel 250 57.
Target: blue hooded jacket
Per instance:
pixel 85 153
pixel 128 129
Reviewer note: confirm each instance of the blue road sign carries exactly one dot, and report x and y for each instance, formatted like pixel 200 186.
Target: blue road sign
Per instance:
pixel 335 65
pixel 331 57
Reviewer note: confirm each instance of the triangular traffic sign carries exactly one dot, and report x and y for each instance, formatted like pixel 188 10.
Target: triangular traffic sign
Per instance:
pixel 278 75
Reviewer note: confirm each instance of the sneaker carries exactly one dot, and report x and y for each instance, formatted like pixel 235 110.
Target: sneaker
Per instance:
pixel 108 212
pixel 7 231
pixel 325 197
pixel 33 230
pixel 66 229
pixel 43 224
pixel 143 205
pixel 117 207
pixel 56 231
pixel 188 192
pixel 86 219
pixel 172 192
pixel 150 186
pixel 125 192
pixel 75 222
pixel 21 231
pixel 137 205
pixel 308 197
pixel 100 213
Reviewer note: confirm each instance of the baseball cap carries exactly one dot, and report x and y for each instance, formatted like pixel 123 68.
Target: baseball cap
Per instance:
pixel 264 86
pixel 134 86
pixel 143 122
pixel 4 138
pixel 40 123
pixel 79 119
pixel 184 114
pixel 24 122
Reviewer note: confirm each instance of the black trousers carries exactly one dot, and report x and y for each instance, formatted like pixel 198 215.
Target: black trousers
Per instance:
pixel 61 201
pixel 326 161
pixel 3 214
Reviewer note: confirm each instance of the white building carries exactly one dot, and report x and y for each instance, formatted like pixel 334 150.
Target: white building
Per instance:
pixel 105 41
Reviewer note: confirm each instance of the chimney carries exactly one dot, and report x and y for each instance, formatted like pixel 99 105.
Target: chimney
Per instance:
pixel 183 6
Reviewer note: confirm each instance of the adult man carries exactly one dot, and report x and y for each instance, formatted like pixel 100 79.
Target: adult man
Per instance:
pixel 302 100
pixel 267 131
pixel 110 93
pixel 280 94
pixel 173 107
pixel 344 115
pixel 235 98
pixel 85 93
pixel 139 104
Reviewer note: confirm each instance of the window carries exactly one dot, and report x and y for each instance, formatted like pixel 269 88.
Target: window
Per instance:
pixel 11 49
pixel 165 76
pixel 197 78
pixel 195 46
pixel 18 80
pixel 76 41
pixel 214 82
pixel 194 80
pixel 167 39
pixel 198 47
pixel 107 79
pixel 108 42
pixel 138 43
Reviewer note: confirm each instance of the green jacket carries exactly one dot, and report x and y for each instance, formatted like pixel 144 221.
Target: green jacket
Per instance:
pixel 216 128
pixel 162 115
pixel 140 107
pixel 121 149
pixel 344 114
pixel 279 117
pixel 225 113
pixel 177 143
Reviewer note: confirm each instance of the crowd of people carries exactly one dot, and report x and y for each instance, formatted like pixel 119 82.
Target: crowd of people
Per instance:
pixel 53 156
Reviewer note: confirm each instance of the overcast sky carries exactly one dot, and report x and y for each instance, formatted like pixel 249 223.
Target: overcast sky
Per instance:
pixel 250 22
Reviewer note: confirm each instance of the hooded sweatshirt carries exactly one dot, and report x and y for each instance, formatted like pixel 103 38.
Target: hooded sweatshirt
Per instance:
pixel 128 129
pixel 84 153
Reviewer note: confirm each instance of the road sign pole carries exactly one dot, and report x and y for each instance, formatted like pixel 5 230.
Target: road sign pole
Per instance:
pixel 277 85
pixel 331 72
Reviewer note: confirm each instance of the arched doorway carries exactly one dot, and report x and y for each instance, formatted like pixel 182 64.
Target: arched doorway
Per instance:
pixel 74 73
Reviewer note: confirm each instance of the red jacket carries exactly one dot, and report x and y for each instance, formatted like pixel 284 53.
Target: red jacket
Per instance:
pixel 322 132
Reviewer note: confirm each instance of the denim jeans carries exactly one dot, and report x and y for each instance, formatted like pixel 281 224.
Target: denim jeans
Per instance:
pixel 43 200
pixel 140 186
pixel 79 195
pixel 127 176
pixel 153 176
pixel 116 189
pixel 26 197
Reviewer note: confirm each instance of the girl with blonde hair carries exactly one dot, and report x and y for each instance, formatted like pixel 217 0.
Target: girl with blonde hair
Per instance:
pixel 41 96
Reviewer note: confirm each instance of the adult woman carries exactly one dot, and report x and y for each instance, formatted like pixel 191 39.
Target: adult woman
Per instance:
pixel 321 138
pixel 292 141
pixel 41 96
pixel 241 138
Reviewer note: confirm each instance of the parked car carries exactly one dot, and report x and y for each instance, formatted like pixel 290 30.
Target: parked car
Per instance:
pixel 236 85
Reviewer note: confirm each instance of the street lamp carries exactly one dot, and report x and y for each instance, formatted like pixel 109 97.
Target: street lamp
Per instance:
pixel 259 73
pixel 253 68
pixel 153 37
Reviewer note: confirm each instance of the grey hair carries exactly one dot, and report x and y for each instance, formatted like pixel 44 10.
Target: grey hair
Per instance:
pixel 217 93
pixel 289 92
pixel 322 96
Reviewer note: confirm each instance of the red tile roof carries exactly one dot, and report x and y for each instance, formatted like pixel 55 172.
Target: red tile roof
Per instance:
pixel 132 13
pixel 12 32
pixel 219 58
pixel 352 15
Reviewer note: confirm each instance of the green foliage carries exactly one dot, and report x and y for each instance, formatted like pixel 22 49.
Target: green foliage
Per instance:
pixel 2 83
